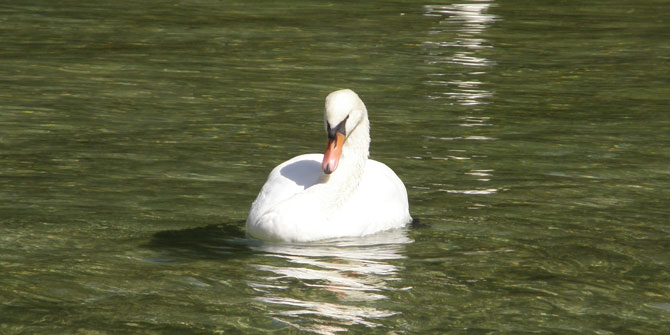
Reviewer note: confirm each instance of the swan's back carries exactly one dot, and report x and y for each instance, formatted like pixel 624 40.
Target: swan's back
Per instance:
pixel 285 210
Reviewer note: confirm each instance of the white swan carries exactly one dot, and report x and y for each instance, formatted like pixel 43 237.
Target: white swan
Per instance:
pixel 341 193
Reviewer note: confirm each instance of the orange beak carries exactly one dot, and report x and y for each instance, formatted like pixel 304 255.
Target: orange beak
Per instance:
pixel 333 151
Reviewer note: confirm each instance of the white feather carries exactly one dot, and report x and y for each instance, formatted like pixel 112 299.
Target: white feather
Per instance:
pixel 300 203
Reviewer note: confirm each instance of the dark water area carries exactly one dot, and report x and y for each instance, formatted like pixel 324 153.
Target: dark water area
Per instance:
pixel 533 139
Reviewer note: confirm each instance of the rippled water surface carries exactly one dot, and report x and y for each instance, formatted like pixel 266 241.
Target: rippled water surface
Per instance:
pixel 534 141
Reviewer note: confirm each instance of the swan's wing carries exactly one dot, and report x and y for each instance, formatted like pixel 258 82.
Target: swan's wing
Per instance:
pixel 381 200
pixel 286 180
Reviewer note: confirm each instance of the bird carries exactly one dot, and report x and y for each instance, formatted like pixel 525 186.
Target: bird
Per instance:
pixel 341 193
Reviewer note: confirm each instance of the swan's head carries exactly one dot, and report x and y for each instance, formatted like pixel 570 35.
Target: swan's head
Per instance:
pixel 344 112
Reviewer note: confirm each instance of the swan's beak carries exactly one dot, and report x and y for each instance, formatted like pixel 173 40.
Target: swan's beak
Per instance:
pixel 333 152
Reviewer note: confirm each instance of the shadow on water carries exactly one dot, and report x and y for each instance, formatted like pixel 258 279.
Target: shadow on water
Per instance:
pixel 209 242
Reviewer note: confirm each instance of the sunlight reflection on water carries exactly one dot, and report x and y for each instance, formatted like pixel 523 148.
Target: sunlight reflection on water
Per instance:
pixel 457 53
pixel 466 22
pixel 353 271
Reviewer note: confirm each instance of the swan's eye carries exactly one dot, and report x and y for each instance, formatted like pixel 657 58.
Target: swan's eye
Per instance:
pixel 340 128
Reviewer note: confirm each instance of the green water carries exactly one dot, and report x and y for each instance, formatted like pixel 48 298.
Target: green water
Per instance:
pixel 534 141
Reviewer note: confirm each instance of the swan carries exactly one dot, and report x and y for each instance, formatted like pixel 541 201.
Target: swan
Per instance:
pixel 341 193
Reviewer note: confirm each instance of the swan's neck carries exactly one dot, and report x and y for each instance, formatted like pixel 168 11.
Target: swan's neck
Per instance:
pixel 344 181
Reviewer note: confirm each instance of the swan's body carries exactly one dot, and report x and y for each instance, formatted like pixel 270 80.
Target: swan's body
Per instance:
pixel 342 193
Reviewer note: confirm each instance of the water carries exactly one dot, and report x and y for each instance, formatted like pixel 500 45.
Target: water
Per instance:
pixel 533 140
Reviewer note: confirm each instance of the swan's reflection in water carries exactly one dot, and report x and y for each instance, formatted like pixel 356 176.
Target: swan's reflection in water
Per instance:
pixel 324 287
